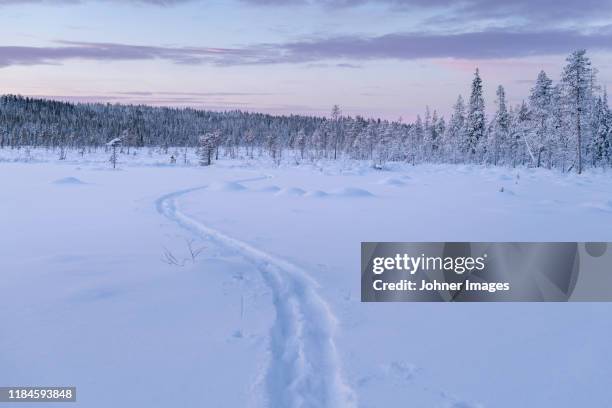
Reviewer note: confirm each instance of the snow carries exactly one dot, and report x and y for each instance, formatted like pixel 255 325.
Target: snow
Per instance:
pixel 599 205
pixel 352 192
pixel 68 180
pixel 303 370
pixel 226 186
pixel 269 313
pixel 269 189
pixel 392 182
pixel 291 192
pixel 317 194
